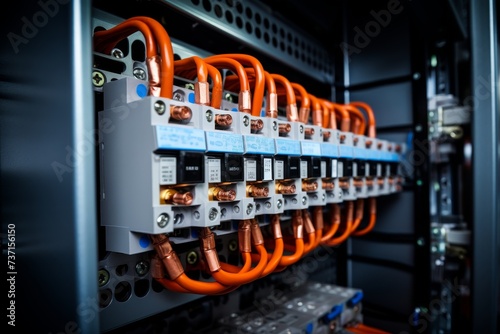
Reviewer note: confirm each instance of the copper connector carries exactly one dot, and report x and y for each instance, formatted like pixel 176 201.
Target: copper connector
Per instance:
pixel 344 184
pixel 380 182
pixel 309 186
pixel 326 135
pixel 389 148
pixel 318 217
pixel 282 188
pixel 317 117
pixel 369 182
pixel 202 93
pixel 170 260
pixel 308 132
pixel 181 113
pixel 245 236
pixel 336 214
pixel 368 143
pixel 272 105
pixel 153 65
pixel 208 247
pixel 223 121
pixel 256 125
pixel 298 226
pixel 220 194
pixel 276 226
pixel 342 138
pixel 291 113
pixel 308 224
pixel 172 196
pixel 284 128
pixel 257 237
pixel 157 268
pixel 304 114
pixel 398 148
pixel 355 140
pixel 255 191
pixel 357 183
pixel 328 185
pixel 245 101
pixel 379 146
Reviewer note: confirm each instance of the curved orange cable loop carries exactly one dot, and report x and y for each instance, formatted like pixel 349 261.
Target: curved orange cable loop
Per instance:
pixel 345 124
pixel 338 240
pixel 317 111
pixel 291 107
pixel 305 102
pixel 334 226
pixel 358 116
pixel 373 219
pixel 358 215
pixel 228 278
pixel 371 117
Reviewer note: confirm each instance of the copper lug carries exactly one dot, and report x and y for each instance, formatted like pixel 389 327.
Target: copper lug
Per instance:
pixel 380 182
pixel 336 214
pixel 255 191
pixel 369 183
pixel 308 225
pixel 153 66
pixel 202 93
pixel 257 237
pixel 379 146
pixel 368 143
pixel 157 269
pixel 342 138
pixel 244 236
pixel 304 114
pixel 328 185
pixel 207 239
pixel 181 113
pixel 344 184
pixel 284 128
pixel 355 140
pixel 282 188
pixel 298 227
pixel 256 125
pixel 219 194
pixel 357 183
pixel 292 113
pixel 309 186
pixel 223 121
pixel 398 148
pixel 165 252
pixel 172 196
pixel 245 101
pixel 272 105
pixel 318 217
pixel 308 132
pixel 276 226
pixel 327 135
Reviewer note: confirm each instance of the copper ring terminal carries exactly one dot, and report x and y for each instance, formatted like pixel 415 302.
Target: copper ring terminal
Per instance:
pixel 327 134
pixel 223 121
pixel 172 196
pixel 284 128
pixel 342 138
pixel 344 184
pixel 309 186
pixel 255 191
pixel 328 185
pixel 256 125
pixel 220 194
pixel 308 132
pixel 282 188
pixel 181 113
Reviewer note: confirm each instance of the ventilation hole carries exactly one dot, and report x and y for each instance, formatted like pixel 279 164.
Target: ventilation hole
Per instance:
pixel 274 28
pixel 275 42
pixel 229 3
pixel 177 57
pixel 266 37
pixel 207 5
pixel 249 13
pixel 309 60
pixel 218 11
pixel 105 297
pixel 123 291
pixel 266 23
pixel 239 7
pixel 258 34
pixel 229 16
pixel 303 57
pixel 289 37
pixel 141 287
pixel 138 50
pixel 282 46
pixel 156 286
pixel 258 19
pixel 121 270
pixel 308 48
pixel 289 49
pixel 248 27
pixel 282 33
pixel 195 2
pixel 302 44
pixel 296 41
pixel 239 22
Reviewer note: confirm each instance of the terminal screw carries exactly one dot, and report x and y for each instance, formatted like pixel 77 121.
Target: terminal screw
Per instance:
pixel 192 257
pixel 162 220
pixel 98 79
pixel 160 107
pixel 139 73
pixel 209 115
pixel 246 120
pixel 103 277
pixel 212 214
pixel 142 268
pixel 249 208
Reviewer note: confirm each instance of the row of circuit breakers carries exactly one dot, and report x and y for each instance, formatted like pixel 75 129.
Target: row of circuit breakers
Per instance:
pixel 173 166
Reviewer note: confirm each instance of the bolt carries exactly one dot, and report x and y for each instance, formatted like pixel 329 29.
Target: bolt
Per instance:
pixel 304 200
pixel 323 197
pixel 162 220
pixel 268 205
pixel 178 95
pixel 236 209
pixel 178 218
pixel 192 257
pixel 294 200
pixel 98 78
pixel 103 277
pixel 139 73
pixel 228 97
pixel 233 245
pixel 275 126
pixel 223 212
pixel 246 120
pixel 117 53
pixel 279 204
pixel 257 207
pixel 320 132
pixel 160 107
pixel 209 115
pixel 301 129
pixel 249 208
pixel 142 268
pixel 213 213
pixel 416 76
pixel 196 215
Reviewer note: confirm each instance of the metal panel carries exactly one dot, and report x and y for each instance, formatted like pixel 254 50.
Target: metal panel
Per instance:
pixel 48 164
pixel 391 252
pixel 486 178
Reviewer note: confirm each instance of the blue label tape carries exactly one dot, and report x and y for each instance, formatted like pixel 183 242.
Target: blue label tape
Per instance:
pixel 360 153
pixel 346 151
pixel 180 138
pixel 224 142
pixel 310 148
pixel 287 147
pixel 329 150
pixel 259 144
pixel 395 157
pixel 372 154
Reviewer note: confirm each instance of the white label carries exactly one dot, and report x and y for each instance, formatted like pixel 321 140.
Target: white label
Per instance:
pixel 251 170
pixel 214 170
pixel 367 169
pixel 387 170
pixel 303 169
pixel 168 170
pixel 354 169
pixel 335 172
pixel 340 169
pixel 323 168
pixel 279 169
pixel 379 170
pixel 268 169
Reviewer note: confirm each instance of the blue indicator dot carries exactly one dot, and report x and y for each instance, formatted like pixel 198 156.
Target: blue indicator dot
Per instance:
pixel 234 109
pixel 144 241
pixel 191 97
pixel 262 113
pixel 141 90
pixel 309 328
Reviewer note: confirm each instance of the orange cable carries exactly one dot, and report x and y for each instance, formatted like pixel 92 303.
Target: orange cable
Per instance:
pixel 373 219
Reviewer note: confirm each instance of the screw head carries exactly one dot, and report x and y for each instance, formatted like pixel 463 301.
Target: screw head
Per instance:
pixel 275 125
pixel 98 79
pixel 249 208
pixel 268 205
pixel 213 213
pixel 192 257
pixel 160 107
pixel 228 97
pixel 103 277
pixel 246 120
pixel 139 73
pixel 117 53
pixel 162 220
pixel 196 215
pixel 279 203
pixel 209 115
pixel 233 245
pixel 236 209
pixel 301 129
pixel 142 268
pixel 178 95
pixel 304 200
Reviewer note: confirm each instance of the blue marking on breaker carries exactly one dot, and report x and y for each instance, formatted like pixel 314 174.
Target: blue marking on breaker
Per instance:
pixel 310 148
pixel 141 90
pixel 395 157
pixel 287 147
pixel 259 144
pixel 144 241
pixel 360 153
pixel 180 138
pixel 191 98
pixel 346 151
pixel 224 142
pixel 329 150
